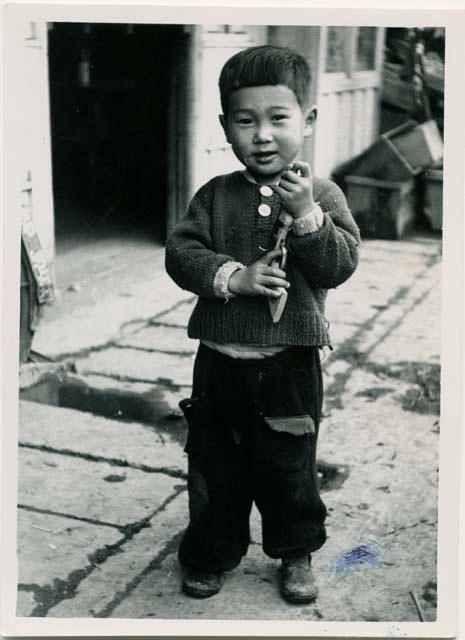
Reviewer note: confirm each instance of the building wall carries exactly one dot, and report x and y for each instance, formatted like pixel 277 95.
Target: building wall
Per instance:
pixel 347 103
pixel 217 44
pixel 29 183
pixel 348 95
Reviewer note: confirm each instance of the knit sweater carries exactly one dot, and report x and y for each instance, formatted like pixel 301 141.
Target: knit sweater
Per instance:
pixel 222 224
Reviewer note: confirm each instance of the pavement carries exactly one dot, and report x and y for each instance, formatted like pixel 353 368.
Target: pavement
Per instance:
pixel 102 472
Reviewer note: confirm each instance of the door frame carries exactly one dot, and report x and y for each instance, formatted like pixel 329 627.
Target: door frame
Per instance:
pixel 184 101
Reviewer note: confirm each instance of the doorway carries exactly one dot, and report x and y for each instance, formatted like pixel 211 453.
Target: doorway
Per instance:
pixel 110 103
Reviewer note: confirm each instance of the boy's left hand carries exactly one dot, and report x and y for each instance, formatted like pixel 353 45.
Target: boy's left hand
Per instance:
pixel 296 189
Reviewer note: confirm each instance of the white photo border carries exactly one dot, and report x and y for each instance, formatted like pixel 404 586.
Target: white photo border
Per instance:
pixel 452 317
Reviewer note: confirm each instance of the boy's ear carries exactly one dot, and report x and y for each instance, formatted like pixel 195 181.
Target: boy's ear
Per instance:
pixel 224 124
pixel 310 117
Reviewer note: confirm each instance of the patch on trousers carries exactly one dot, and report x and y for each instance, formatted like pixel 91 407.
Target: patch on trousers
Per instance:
pixel 295 425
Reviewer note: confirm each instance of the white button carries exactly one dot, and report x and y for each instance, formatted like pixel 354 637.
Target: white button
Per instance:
pixel 265 190
pixel 264 210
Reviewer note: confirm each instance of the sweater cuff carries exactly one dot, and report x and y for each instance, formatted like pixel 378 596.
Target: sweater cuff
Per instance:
pixel 309 223
pixel 221 280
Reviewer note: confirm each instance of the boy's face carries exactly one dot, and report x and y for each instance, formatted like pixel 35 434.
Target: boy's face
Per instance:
pixel 266 127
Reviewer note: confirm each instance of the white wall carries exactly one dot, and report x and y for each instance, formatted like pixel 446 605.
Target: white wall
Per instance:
pixel 348 122
pixel 28 148
pixel 214 155
pixel 348 106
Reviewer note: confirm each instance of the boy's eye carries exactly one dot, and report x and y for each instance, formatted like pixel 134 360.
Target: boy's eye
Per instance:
pixel 280 116
pixel 243 120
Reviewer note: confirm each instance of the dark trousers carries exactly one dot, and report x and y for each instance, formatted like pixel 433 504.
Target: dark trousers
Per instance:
pixel 252 434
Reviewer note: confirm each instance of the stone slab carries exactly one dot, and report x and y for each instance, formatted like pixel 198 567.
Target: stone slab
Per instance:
pixel 404 319
pixel 391 453
pixel 51 547
pixel 137 401
pixel 32 373
pixel 99 310
pixel 383 496
pixel 390 493
pixel 415 249
pixel 139 366
pixel 180 315
pixel 390 496
pixel 25 603
pixel 340 332
pixel 161 338
pixel 251 591
pixel 94 490
pixel 370 294
pixel 84 433
pixel 402 347
pixel 341 309
pixel 417 337
pixel 109 584
pixel 380 592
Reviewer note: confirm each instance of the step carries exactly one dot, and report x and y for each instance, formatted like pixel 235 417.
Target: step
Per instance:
pixel 91 491
pixel 139 366
pixel 82 434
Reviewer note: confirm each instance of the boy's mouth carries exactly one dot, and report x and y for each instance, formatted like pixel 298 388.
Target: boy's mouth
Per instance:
pixel 264 156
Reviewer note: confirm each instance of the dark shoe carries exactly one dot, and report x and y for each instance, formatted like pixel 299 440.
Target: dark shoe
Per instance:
pixel 297 580
pixel 201 584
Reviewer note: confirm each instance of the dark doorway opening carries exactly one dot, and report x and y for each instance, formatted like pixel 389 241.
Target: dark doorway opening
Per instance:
pixel 110 101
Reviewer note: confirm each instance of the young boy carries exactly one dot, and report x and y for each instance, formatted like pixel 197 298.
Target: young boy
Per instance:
pixel 257 387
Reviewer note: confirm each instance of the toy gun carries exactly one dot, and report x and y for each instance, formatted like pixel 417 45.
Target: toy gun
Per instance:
pixel 282 226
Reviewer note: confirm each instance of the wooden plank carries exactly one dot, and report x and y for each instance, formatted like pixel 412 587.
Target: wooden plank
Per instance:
pixel 343 117
pixel 358 104
pixel 372 115
pixel 353 122
pixel 363 120
pixel 326 139
pixel 339 82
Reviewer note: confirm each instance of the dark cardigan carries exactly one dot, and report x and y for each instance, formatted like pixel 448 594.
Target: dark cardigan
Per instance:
pixel 222 224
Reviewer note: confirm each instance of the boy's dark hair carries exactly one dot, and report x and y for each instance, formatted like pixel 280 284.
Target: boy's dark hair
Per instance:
pixel 265 65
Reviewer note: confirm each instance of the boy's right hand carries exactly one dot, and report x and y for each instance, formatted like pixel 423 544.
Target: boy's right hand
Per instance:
pixel 260 279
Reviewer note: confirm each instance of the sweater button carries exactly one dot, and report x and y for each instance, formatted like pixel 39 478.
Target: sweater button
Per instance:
pixel 266 191
pixel 264 210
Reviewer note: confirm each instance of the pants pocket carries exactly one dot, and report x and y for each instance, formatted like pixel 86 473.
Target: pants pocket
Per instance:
pixel 206 433
pixel 197 413
pixel 286 444
pixel 294 425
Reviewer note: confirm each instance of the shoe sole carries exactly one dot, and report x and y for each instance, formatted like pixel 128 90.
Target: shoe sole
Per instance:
pixel 293 598
pixel 198 593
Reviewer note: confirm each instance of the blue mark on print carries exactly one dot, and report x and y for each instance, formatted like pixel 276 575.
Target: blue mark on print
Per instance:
pixel 367 552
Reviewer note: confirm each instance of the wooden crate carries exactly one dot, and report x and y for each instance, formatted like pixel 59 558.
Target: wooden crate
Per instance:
pixel 398 154
pixel 382 209
pixel 420 146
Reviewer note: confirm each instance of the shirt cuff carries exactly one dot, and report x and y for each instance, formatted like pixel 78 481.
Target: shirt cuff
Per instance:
pixel 310 222
pixel 221 279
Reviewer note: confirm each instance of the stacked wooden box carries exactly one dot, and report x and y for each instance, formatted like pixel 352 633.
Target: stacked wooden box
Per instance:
pixel 380 182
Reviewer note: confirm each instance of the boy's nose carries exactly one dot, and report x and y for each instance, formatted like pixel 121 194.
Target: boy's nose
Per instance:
pixel 262 134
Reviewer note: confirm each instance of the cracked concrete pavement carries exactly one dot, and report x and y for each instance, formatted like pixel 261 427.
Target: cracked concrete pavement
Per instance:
pixel 102 473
